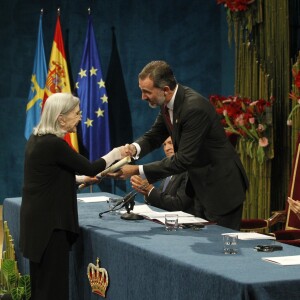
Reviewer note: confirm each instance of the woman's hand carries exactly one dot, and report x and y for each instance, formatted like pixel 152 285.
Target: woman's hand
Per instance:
pixel 123 151
pixel 86 179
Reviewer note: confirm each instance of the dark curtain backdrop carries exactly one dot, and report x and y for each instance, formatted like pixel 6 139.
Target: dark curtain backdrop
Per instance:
pixel 190 34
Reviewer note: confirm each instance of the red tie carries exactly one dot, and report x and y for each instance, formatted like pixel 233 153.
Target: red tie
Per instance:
pixel 168 119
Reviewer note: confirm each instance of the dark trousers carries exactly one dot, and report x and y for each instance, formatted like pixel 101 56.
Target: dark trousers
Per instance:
pixel 50 277
pixel 230 220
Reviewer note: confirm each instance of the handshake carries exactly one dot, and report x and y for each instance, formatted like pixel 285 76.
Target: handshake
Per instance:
pixel 128 150
pixel 121 169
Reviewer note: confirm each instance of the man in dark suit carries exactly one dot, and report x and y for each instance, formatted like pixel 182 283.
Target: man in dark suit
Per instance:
pixel 216 175
pixel 170 195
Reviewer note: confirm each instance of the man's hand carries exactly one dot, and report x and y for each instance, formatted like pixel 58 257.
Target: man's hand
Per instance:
pixel 123 151
pixel 140 185
pixel 125 172
pixel 130 150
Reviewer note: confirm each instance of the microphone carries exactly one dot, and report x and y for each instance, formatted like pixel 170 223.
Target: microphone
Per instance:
pixel 128 203
pixel 123 201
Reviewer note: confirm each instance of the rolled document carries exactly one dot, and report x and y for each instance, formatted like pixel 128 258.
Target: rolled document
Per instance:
pixel 115 167
pixel 112 168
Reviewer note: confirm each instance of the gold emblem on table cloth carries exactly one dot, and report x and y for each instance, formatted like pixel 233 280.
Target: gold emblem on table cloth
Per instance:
pixel 98 278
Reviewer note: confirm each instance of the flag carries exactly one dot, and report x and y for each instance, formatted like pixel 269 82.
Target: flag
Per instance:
pixel 91 90
pixel 36 91
pixel 58 77
pixel 119 110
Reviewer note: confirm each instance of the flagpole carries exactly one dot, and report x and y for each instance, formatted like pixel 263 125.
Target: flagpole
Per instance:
pixel 91 186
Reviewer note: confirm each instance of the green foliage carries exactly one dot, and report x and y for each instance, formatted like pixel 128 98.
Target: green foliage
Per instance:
pixel 13 283
pixel 260 155
pixel 17 293
pixel 24 283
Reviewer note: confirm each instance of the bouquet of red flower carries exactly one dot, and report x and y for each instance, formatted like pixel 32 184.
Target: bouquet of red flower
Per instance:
pixel 295 93
pixel 236 5
pixel 249 120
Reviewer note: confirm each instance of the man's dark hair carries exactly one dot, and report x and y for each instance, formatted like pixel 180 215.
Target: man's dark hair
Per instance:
pixel 161 74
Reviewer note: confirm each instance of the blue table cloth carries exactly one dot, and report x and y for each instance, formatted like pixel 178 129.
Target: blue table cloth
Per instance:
pixel 146 262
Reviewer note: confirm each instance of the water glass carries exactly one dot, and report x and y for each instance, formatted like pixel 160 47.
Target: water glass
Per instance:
pixel 230 243
pixel 171 222
pixel 111 205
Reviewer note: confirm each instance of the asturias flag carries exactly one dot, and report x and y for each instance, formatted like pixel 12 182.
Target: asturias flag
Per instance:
pixel 93 100
pixel 36 92
pixel 58 77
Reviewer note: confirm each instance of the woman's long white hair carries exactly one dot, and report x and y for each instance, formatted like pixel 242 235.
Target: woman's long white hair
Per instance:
pixel 57 104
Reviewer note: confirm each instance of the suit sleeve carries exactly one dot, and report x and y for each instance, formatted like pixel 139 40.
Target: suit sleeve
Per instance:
pixel 174 198
pixel 154 137
pixel 194 124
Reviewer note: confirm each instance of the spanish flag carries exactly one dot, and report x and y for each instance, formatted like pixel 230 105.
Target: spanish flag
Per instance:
pixel 58 77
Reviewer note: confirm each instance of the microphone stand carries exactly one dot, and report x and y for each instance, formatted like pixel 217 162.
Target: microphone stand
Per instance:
pixel 128 203
pixel 115 207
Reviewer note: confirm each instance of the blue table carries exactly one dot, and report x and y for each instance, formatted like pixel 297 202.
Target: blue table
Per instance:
pixel 146 262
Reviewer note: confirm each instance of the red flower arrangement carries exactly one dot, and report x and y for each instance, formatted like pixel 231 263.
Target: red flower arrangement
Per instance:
pixel 296 75
pixel 236 5
pixel 250 120
pixel 295 93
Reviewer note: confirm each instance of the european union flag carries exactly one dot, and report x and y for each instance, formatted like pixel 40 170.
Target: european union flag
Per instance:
pixel 93 100
pixel 38 79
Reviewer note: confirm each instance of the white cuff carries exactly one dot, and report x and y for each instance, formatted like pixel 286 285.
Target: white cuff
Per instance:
pixel 79 178
pixel 150 192
pixel 141 171
pixel 138 151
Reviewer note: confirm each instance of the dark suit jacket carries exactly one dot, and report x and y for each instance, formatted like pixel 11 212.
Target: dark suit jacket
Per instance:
pixel 174 197
pixel 216 174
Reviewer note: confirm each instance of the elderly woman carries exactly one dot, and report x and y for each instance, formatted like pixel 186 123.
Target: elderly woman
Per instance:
pixel 49 218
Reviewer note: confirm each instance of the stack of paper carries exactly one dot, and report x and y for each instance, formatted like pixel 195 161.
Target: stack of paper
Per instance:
pixel 251 236
pixel 93 199
pixel 183 217
pixel 284 260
